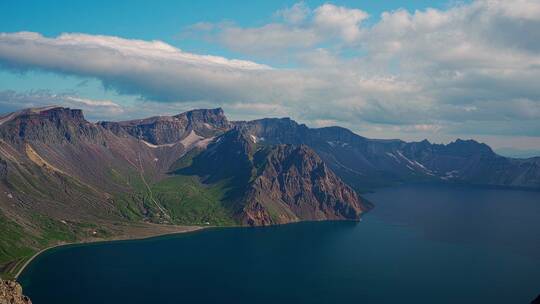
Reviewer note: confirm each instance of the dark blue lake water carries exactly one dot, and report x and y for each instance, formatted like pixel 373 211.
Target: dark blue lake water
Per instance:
pixel 421 244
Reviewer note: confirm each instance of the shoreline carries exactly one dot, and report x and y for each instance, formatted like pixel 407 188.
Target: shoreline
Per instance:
pixel 183 229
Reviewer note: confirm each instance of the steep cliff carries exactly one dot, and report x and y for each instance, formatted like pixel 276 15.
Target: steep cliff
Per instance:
pixel 162 130
pixel 294 184
pixel 274 184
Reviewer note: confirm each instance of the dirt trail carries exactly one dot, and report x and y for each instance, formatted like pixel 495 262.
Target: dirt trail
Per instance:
pixel 141 172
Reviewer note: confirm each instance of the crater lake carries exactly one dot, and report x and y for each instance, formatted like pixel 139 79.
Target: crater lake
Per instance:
pixel 420 244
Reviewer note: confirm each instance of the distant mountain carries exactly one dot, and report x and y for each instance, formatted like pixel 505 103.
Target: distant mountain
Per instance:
pixel 64 179
pixel 365 163
pixel 161 130
pixel 518 153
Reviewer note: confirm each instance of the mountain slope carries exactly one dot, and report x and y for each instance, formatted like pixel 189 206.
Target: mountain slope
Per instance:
pixel 294 184
pixel 366 163
pixel 64 179
pixel 273 184
pixel 166 130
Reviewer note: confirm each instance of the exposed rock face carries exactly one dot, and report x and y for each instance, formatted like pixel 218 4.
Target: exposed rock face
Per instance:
pixel 275 184
pixel 161 130
pixel 295 184
pixel 365 163
pixel 51 124
pixel 11 293
pixel 59 171
pixel 60 164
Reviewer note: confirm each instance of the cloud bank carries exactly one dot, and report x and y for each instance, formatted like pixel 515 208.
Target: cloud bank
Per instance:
pixel 469 69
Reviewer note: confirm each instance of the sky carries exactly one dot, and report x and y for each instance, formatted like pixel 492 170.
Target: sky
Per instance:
pixel 439 70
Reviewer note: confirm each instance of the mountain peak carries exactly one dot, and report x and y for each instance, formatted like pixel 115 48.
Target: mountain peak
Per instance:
pixel 470 146
pixel 159 130
pixel 214 111
pixel 51 124
pixel 294 183
pixel 47 111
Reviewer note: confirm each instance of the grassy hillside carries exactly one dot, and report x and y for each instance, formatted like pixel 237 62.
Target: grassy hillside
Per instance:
pixel 185 200
pixel 18 243
pixel 13 246
pixel 190 202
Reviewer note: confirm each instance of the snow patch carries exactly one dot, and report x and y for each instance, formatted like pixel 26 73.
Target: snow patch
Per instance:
pixel 191 139
pixel 157 146
pixel 450 175
pixel 453 173
pixel 413 163
pixel 404 157
pixel 204 143
pixel 420 165
pixel 393 156
pixel 337 143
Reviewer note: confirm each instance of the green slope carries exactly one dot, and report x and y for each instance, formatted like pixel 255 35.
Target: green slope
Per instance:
pixel 192 203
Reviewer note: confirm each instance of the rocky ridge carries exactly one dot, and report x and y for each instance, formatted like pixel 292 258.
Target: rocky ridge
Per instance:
pixel 63 178
pixel 11 293
pixel 295 184
pixel 367 163
pixel 274 184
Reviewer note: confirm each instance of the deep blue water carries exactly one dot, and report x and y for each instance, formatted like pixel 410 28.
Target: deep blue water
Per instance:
pixel 421 244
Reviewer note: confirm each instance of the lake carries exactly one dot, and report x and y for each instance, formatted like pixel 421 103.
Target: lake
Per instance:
pixel 421 244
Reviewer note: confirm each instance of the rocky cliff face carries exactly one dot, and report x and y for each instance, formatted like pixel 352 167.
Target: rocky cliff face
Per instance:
pixel 365 163
pixel 11 293
pixel 275 184
pixel 294 184
pixel 61 176
pixel 51 124
pixel 162 130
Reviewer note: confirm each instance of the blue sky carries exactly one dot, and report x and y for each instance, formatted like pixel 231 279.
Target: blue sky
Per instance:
pixel 160 19
pixel 408 69
pixel 163 20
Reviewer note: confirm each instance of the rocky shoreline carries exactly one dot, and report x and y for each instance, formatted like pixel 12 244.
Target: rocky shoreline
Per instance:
pixel 11 293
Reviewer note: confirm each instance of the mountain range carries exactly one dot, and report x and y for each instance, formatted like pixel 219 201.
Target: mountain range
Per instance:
pixel 65 179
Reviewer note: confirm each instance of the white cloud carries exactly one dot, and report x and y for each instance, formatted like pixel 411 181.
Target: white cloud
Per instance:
pixel 472 68
pixel 268 39
pixel 12 101
pixel 91 102
pixel 298 28
pixel 339 20
pixel 152 69
pixel 296 14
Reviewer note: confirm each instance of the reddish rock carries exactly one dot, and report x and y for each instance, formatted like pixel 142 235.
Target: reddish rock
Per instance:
pixel 295 184
pixel 11 293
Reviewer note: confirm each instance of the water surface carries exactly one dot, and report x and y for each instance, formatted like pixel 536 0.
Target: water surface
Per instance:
pixel 421 244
